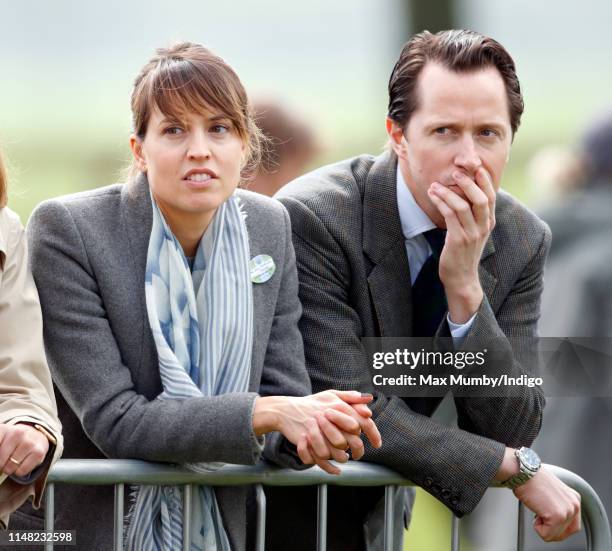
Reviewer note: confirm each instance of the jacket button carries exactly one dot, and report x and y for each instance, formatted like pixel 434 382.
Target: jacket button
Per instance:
pixel 428 481
pixel 446 493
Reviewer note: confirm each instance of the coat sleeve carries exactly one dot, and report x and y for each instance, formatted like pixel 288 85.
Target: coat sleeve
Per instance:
pixel 26 394
pixel 454 465
pixel 88 369
pixel 511 332
pixel 284 371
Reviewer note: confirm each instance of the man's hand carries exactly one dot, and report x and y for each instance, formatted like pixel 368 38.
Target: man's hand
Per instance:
pixel 22 449
pixel 322 425
pixel 556 505
pixel 470 218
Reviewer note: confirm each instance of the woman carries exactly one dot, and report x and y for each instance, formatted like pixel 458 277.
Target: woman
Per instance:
pixel 30 432
pixel 171 314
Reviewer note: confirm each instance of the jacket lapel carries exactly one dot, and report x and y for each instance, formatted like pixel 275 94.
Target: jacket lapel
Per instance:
pixel 383 244
pixel 136 220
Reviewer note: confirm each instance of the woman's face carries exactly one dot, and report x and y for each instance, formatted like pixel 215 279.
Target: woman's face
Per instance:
pixel 193 164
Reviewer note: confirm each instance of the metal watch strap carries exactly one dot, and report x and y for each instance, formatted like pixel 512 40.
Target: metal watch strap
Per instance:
pixel 525 472
pixel 517 480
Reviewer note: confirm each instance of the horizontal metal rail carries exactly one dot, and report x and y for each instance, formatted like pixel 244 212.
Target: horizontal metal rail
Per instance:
pixel 117 472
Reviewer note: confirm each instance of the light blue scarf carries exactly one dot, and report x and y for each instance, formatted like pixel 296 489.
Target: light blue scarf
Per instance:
pixel 202 324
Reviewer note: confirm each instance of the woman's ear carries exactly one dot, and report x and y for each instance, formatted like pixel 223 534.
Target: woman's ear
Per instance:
pixel 137 152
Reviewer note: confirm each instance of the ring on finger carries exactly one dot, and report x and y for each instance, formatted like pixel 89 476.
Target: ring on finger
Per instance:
pixel 13 460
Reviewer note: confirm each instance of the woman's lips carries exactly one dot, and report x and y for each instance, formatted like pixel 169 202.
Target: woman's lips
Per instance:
pixel 199 183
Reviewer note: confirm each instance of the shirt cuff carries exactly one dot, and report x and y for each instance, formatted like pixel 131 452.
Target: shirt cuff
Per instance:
pixel 459 331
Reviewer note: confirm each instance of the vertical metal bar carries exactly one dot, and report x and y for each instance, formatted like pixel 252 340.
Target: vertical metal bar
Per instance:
pixel 260 536
pixel 520 532
pixel 389 516
pixel 322 518
pixel 187 517
pixel 118 522
pixel 455 533
pixel 49 513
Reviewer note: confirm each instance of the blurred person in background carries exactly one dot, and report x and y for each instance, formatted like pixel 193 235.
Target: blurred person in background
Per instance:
pixel 552 173
pixel 171 310
pixel 30 431
pixel 576 302
pixel 576 429
pixel 291 146
pixel 421 242
pixel 583 210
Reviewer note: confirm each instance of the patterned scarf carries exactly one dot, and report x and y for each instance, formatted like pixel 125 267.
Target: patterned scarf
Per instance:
pixel 202 324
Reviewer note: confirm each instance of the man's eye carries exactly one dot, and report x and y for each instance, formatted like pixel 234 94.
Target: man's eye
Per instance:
pixel 443 130
pixel 488 133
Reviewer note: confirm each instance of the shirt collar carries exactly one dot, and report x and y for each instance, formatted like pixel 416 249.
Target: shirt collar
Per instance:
pixel 412 217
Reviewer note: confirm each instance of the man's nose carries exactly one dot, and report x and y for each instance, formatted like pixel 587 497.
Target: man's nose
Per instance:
pixel 467 156
pixel 198 145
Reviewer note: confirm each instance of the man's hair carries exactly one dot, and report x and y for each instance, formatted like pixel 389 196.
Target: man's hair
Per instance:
pixel 457 50
pixel 3 195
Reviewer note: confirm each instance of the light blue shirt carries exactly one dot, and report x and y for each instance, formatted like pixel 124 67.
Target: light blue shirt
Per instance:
pixel 414 224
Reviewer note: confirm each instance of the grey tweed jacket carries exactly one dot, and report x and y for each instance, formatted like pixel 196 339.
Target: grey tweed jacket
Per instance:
pixel 355 282
pixel 88 255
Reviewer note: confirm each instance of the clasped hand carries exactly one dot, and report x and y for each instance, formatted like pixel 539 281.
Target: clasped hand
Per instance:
pixel 323 426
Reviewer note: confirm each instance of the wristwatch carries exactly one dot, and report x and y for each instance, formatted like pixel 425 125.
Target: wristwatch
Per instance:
pixel 529 465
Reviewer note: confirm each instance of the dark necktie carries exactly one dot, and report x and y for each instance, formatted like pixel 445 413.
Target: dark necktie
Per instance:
pixel 428 297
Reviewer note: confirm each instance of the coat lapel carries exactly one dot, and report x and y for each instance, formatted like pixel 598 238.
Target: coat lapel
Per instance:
pixel 383 244
pixel 136 220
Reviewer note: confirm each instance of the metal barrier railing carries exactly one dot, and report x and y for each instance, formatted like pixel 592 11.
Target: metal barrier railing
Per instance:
pixel 118 472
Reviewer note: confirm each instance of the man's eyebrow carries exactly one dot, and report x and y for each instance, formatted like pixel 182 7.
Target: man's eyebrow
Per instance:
pixel 498 126
pixel 438 123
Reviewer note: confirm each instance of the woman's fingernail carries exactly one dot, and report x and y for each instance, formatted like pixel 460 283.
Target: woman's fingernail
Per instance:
pixel 367 395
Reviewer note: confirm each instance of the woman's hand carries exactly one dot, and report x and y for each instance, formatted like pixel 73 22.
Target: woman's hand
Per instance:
pixel 322 425
pixel 22 449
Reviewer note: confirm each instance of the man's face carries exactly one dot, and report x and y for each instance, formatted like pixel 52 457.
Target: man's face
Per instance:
pixel 462 123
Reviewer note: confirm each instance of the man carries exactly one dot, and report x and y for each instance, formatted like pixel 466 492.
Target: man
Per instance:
pixel 361 233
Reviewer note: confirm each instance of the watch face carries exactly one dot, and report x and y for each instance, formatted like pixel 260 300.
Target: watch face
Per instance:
pixel 530 459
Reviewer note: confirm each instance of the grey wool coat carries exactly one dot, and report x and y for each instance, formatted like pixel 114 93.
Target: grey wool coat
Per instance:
pixel 88 255
pixel 355 282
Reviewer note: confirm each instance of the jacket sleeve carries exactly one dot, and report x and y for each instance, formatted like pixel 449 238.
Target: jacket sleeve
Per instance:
pixel 454 465
pixel 88 369
pixel 26 394
pixel 512 332
pixel 284 371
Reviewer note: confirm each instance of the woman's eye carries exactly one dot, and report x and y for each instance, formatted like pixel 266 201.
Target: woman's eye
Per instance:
pixel 173 130
pixel 219 129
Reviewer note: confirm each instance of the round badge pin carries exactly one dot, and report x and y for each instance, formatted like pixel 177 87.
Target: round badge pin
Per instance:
pixel 262 268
